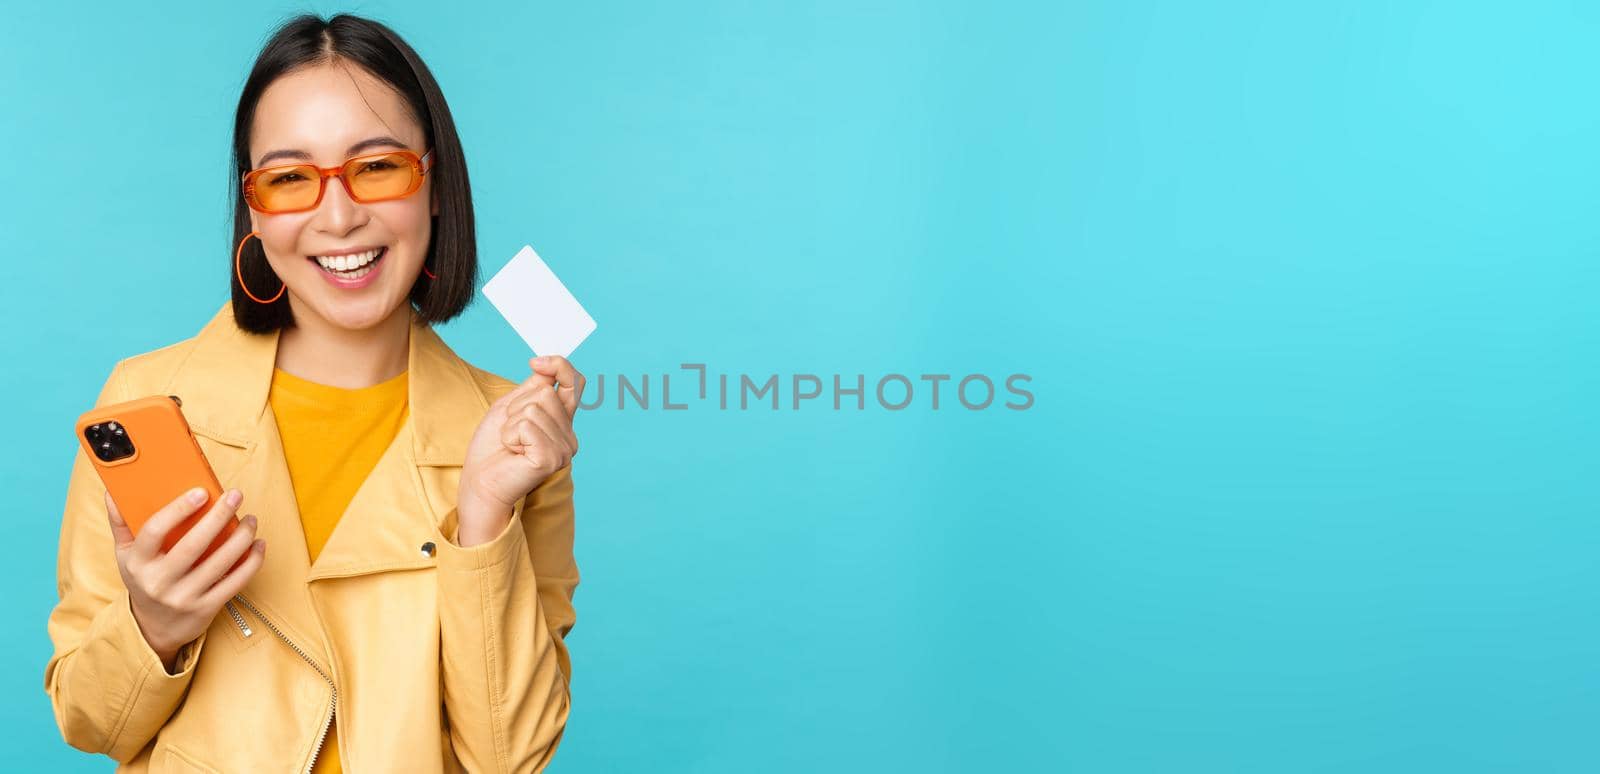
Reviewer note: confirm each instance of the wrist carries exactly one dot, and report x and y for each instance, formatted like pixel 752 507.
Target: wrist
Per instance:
pixel 478 521
pixel 166 653
pixel 169 662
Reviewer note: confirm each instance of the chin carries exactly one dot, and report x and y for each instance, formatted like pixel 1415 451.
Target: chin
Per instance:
pixel 356 314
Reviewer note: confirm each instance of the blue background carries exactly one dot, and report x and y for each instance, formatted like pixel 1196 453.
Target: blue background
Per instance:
pixel 1306 292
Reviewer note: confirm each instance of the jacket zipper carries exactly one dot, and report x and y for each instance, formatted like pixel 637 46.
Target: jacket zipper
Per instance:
pixel 333 701
pixel 244 628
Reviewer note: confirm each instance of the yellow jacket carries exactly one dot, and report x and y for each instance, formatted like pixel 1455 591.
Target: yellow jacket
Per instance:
pixel 437 657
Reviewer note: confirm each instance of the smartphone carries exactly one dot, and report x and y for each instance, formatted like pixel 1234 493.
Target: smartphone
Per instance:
pixel 145 453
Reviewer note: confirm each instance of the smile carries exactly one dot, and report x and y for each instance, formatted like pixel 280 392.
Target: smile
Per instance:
pixel 349 267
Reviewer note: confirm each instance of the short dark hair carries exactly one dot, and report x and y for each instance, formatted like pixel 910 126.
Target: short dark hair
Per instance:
pixel 452 251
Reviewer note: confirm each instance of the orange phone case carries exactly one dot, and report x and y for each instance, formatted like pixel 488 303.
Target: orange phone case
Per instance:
pixel 166 461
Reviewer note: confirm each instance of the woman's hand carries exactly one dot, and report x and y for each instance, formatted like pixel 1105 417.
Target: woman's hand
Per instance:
pixel 173 598
pixel 525 437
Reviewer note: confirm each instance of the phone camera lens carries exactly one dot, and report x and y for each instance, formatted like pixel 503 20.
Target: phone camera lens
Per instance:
pixel 110 441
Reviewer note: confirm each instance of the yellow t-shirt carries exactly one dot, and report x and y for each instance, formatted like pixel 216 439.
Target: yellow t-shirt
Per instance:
pixel 332 438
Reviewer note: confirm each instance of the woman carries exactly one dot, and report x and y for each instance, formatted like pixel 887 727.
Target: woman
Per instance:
pixel 407 573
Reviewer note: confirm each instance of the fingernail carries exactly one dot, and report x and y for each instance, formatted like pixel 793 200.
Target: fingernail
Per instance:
pixel 542 360
pixel 234 497
pixel 250 521
pixel 197 495
pixel 259 545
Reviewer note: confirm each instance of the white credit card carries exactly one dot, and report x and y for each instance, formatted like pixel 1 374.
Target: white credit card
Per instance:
pixel 541 309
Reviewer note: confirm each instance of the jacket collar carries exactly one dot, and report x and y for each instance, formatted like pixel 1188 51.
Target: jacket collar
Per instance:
pixel 225 381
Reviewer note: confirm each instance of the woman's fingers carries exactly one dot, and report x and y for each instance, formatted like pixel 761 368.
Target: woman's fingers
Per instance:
pixel 538 396
pixel 552 427
pixel 560 425
pixel 519 433
pixel 234 581
pixel 147 545
pixel 211 569
pixel 534 381
pixel 541 405
pixel 534 445
pixel 570 380
pixel 121 535
pixel 194 542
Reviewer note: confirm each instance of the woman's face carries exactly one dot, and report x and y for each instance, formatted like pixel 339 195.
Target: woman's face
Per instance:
pixel 318 114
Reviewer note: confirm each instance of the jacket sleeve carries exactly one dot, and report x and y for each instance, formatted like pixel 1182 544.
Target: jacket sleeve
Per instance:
pixel 505 608
pixel 108 688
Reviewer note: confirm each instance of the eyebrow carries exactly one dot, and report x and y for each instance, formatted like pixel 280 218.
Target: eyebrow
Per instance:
pixel 370 142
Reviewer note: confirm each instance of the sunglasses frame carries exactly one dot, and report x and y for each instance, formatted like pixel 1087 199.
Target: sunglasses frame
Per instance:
pixel 422 164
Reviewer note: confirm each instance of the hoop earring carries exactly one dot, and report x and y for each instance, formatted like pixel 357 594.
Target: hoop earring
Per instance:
pixel 237 253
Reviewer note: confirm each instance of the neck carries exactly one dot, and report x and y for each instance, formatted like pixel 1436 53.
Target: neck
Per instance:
pixel 319 351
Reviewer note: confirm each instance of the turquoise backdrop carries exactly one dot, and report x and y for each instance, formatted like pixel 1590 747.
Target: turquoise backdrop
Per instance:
pixel 1306 292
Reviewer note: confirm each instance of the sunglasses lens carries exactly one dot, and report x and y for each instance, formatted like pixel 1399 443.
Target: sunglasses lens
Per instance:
pixel 287 188
pixel 384 176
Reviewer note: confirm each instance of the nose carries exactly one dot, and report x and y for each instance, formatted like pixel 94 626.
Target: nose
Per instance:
pixel 338 214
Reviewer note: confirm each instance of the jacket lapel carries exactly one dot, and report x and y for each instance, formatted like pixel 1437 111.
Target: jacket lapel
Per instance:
pixel 410 492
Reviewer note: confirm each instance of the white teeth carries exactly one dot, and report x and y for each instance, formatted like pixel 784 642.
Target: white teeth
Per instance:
pixel 347 262
pixel 361 272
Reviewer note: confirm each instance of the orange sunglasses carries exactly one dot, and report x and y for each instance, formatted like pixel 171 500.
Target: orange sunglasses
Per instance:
pixel 374 177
